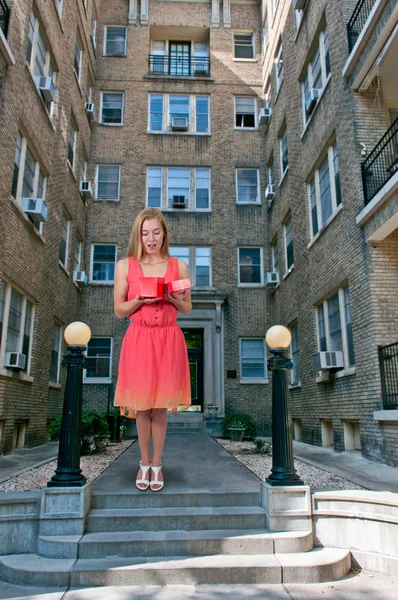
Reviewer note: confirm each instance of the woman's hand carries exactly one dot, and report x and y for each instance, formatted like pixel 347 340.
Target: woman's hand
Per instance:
pixel 176 297
pixel 147 300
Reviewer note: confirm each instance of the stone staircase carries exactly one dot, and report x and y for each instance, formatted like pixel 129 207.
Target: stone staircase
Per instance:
pixel 199 537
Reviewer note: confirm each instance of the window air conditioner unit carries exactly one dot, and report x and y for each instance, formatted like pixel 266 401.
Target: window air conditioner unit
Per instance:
pixel 14 360
pixel 36 208
pixel 179 201
pixel 328 361
pixel 200 68
pixel 270 191
pixel 90 110
pixel 311 100
pixel 299 4
pixel 271 278
pixel 264 115
pixel 86 190
pixel 80 277
pixel 179 123
pixel 47 88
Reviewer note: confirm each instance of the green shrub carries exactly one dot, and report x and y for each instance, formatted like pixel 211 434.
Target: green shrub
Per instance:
pixel 93 423
pixel 246 420
pixel 261 446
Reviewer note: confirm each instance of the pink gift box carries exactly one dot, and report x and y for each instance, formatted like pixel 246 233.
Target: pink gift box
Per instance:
pixel 151 287
pixel 181 285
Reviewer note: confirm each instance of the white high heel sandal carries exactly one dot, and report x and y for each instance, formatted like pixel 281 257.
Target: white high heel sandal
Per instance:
pixel 144 479
pixel 156 481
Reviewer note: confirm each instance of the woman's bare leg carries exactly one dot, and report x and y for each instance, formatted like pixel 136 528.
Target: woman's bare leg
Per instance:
pixel 143 420
pixel 158 430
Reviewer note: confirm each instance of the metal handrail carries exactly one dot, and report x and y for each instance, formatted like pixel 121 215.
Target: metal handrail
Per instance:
pixel 179 65
pixel 388 363
pixel 358 20
pixel 4 17
pixel 381 164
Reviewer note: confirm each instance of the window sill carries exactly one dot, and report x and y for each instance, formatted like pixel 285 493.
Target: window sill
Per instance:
pixel 330 219
pixel 248 203
pixel 308 123
pixel 286 275
pixel 295 386
pixel 185 78
pixel 245 60
pixel 15 375
pixel 104 200
pixel 283 176
pixel 27 220
pixel 246 129
pixel 100 283
pixel 187 133
pixel 65 270
pixel 187 210
pixel 110 124
pixel 251 285
pixel 54 385
pixel 97 381
pixel 115 55
pixel 253 381
pixel 337 375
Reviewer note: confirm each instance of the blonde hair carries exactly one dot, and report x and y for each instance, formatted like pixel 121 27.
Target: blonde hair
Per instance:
pixel 135 249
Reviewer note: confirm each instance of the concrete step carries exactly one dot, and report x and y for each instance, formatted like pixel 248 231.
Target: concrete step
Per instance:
pixel 136 499
pixel 320 565
pixel 173 543
pixel 180 518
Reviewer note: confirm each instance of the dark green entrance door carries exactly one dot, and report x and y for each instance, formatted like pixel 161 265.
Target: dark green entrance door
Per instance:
pixel 194 342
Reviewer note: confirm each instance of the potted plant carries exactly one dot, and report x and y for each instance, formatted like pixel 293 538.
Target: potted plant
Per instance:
pixel 237 431
pixel 212 410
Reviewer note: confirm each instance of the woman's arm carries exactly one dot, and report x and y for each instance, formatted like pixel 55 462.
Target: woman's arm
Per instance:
pixel 123 308
pixel 183 301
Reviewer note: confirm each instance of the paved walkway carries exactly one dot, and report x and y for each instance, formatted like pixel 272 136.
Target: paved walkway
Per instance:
pixel 26 458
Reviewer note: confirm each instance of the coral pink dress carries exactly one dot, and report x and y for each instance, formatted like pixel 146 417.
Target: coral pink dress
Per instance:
pixel 153 365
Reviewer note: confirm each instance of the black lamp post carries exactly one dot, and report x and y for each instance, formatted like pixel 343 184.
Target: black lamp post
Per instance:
pixel 68 472
pixel 283 472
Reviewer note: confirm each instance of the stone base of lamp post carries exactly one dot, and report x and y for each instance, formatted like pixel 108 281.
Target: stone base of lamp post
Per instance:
pixel 288 508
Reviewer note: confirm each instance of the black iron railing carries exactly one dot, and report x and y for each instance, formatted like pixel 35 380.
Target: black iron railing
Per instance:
pixel 381 164
pixel 388 362
pixel 358 20
pixel 181 66
pixel 4 17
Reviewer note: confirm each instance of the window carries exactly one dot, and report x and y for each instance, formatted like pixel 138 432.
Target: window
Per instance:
pixel 245 113
pixel 103 261
pixel 252 359
pixel 294 352
pixel 334 325
pixel 99 360
pixel 108 182
pixel 244 45
pixel 279 67
pixel 16 322
pixel 247 186
pixel 271 171
pixel 179 58
pixel 72 143
pixel 78 255
pixel 288 236
pixel 178 188
pixel 274 254
pixel 55 361
pixel 115 41
pixel 112 107
pixel 283 152
pixel 83 165
pixel 316 75
pixel 167 113
pixel 198 260
pixel 265 34
pixel 93 29
pixel 59 4
pixel 41 62
pixel 64 245
pixel 250 270
pixel 324 192
pixel 78 59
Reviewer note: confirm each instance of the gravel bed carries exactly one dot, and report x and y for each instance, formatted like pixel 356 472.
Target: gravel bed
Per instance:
pixel 261 464
pixel 92 466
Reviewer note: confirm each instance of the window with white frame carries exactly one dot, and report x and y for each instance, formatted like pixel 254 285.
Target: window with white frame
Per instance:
pixel 83 165
pixel 198 260
pixel 72 143
pixel 334 325
pixel 78 254
pixel 271 171
pixel 245 112
pixel 184 58
pixel 279 67
pixel 252 359
pixel 103 262
pixel 244 45
pixel 93 28
pixel 16 319
pixel 115 41
pixel 112 108
pixel 99 360
pixel 108 182
pixel 294 354
pixel 265 33
pixel 166 110
pixel 274 256
pixel 178 188
pixel 247 186
pixel 288 238
pixel 324 192
pixel 316 75
pixel 56 345
pixel 78 59
pixel 64 243
pixel 268 93
pixel 41 62
pixel 283 152
pixel 250 266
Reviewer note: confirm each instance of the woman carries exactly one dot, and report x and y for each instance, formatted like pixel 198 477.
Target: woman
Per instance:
pixel 153 367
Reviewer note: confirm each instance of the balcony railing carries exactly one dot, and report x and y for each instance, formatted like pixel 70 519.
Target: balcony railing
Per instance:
pixel 381 164
pixel 358 20
pixel 4 17
pixel 178 65
pixel 388 362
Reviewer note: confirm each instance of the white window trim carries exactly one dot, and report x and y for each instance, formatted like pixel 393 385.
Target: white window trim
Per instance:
pixel 252 380
pixel 244 32
pixel 280 139
pixel 348 369
pixel 58 324
pixel 255 114
pixel 192 265
pixel 335 207
pixel 73 125
pixel 166 115
pixel 273 249
pixel 66 263
pixel 279 80
pixel 252 285
pixel 258 186
pixel 324 78
pixel 99 282
pixel 79 245
pixel 89 380
pixel 101 108
pixel 105 40
pixel 79 75
pixel 192 189
pixel 265 21
pixel 288 270
pixel 96 183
